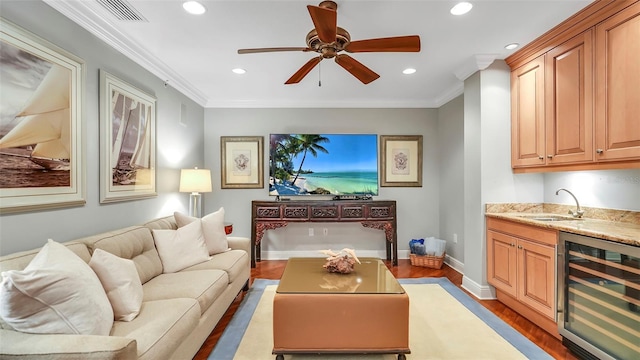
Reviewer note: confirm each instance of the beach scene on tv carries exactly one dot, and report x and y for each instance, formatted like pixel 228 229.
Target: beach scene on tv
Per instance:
pixel 323 164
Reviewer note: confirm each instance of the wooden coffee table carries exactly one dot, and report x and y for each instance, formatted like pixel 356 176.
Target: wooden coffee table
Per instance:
pixel 315 311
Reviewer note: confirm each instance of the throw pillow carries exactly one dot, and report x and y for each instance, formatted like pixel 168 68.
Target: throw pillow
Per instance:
pixel 57 293
pixel 181 248
pixel 120 281
pixel 212 228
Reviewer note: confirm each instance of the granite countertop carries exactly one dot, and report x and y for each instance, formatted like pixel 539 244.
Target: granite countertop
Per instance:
pixel 614 225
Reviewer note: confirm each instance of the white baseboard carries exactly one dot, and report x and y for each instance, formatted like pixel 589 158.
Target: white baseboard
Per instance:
pixel 482 292
pixel 454 263
pixel 284 255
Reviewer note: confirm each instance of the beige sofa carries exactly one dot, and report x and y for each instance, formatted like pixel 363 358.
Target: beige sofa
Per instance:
pixel 179 309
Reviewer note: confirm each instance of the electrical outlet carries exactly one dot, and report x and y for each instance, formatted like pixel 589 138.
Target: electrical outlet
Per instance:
pixel 325 231
pixel 310 231
pixel 455 238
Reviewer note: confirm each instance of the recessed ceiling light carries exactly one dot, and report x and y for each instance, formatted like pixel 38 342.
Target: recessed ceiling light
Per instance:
pixel 194 7
pixel 408 71
pixel 239 71
pixel 461 8
pixel 512 46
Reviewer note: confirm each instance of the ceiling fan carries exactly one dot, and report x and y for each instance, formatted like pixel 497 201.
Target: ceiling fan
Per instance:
pixel 328 40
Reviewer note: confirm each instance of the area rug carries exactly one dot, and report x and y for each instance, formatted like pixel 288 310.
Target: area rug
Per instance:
pixel 445 323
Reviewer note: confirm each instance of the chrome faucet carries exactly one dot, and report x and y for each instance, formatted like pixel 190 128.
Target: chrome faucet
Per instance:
pixel 578 213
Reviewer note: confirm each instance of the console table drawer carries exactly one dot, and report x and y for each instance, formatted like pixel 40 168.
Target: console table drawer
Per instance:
pixel 353 212
pixel 268 212
pixel 296 212
pixel 325 212
pixel 381 212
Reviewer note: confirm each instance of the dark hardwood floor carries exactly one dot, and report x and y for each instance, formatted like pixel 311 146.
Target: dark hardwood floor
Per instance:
pixel 274 269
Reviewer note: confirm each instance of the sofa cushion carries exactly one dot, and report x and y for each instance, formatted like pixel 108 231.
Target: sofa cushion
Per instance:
pixel 204 286
pixel 20 260
pixel 212 227
pixel 135 243
pixel 166 223
pixel 160 327
pixel 120 281
pixel 234 262
pixel 57 293
pixel 180 248
pixel 22 346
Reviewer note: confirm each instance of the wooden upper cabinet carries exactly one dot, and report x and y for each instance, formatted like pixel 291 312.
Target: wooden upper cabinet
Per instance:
pixel 575 93
pixel 569 101
pixel 617 101
pixel 527 114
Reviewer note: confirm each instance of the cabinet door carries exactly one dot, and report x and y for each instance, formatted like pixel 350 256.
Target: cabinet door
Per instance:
pixel 501 262
pixel 527 114
pixel 536 276
pixel 569 105
pixel 618 86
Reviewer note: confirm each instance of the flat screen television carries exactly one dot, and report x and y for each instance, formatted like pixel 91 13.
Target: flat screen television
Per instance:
pixel 323 164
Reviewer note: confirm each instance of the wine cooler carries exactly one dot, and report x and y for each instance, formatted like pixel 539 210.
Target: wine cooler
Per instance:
pixel 599 297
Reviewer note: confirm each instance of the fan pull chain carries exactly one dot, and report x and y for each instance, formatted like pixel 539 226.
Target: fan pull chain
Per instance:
pixel 319 74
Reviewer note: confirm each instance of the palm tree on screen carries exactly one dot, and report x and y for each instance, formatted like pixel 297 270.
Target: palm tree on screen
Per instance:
pixel 310 143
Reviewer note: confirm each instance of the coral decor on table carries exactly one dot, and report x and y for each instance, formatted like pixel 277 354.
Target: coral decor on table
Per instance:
pixel 341 262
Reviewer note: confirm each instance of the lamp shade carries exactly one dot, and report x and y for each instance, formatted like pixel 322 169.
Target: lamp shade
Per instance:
pixel 195 180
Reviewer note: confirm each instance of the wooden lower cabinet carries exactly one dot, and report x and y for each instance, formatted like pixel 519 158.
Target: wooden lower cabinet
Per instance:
pixel 521 265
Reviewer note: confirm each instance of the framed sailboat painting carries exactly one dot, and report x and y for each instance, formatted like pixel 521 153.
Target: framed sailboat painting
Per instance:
pixel 41 87
pixel 127 141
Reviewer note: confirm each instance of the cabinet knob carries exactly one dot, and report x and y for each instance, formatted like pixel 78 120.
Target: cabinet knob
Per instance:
pixel 599 151
pixel 541 157
pixel 519 246
pixel 550 156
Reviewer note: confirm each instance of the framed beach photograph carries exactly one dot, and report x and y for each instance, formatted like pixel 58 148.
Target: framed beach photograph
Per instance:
pixel 41 137
pixel 127 141
pixel 241 162
pixel 401 160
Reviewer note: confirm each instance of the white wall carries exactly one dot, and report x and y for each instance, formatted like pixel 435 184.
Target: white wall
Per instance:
pixel 488 175
pixel 417 208
pixel 615 189
pixel 177 146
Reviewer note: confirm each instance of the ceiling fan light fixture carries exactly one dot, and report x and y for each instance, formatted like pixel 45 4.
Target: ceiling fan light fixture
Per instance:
pixel 511 46
pixel 194 7
pixel 409 71
pixel 461 8
pixel 239 71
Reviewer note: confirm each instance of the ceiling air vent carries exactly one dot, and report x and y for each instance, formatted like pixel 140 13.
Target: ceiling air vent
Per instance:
pixel 122 10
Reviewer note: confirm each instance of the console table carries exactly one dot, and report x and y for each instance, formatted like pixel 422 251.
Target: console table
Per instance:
pixel 374 214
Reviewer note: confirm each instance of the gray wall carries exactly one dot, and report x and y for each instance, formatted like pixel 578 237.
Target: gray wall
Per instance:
pixel 177 146
pixel 417 207
pixel 451 170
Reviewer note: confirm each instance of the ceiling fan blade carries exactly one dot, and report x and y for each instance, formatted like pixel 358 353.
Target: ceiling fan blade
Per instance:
pixel 304 70
pixel 356 69
pixel 409 43
pixel 325 21
pixel 262 50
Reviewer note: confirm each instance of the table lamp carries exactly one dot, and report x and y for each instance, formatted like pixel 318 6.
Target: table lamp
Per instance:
pixel 195 181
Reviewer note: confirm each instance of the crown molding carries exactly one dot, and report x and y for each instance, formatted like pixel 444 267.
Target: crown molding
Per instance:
pixel 367 104
pixel 83 14
pixel 474 64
